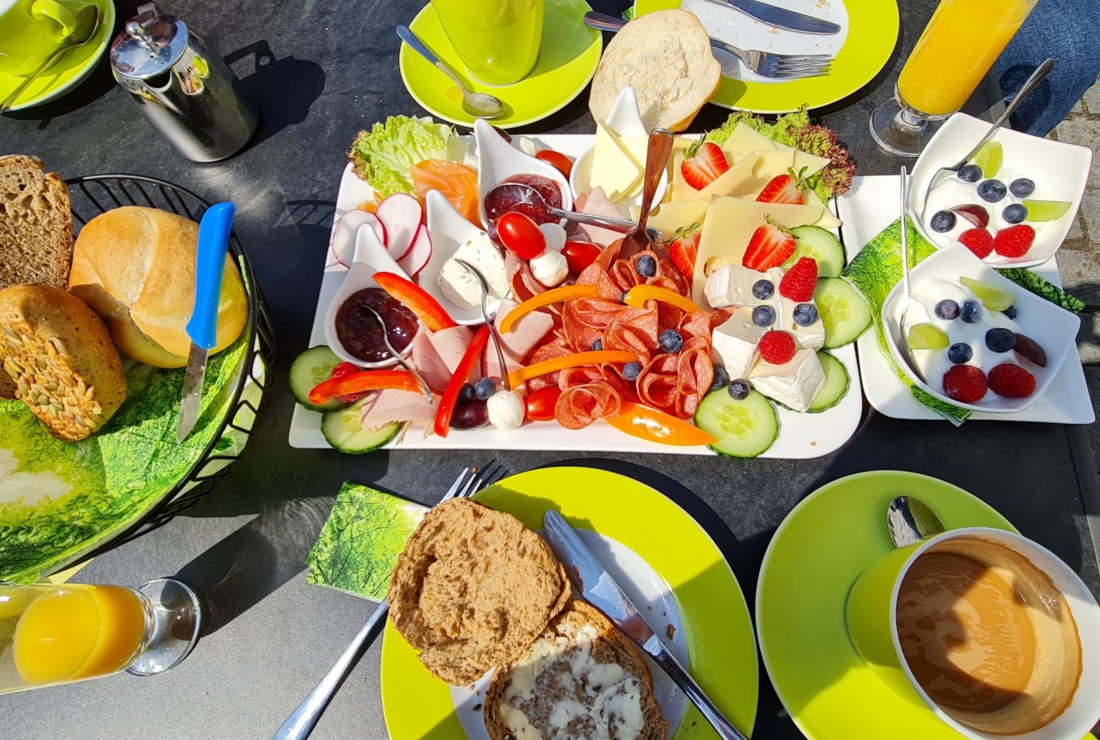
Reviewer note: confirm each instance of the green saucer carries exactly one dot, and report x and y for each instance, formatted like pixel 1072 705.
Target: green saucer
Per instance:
pixel 567 60
pixel 814 558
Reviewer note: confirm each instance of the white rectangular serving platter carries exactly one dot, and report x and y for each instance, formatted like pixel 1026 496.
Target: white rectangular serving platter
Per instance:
pixel 801 436
pixel 868 208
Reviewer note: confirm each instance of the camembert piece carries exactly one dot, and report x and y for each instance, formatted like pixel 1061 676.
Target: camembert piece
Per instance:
pixel 737 343
pixel 731 285
pixel 463 289
pixel 810 337
pixel 794 383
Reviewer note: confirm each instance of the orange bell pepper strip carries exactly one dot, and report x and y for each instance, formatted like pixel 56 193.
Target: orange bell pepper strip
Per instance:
pixel 657 426
pixel 639 294
pixel 597 357
pixel 367 380
pixel 416 299
pixel 554 295
pixel 454 386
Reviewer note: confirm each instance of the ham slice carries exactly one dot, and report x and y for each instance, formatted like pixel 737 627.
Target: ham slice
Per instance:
pixel 518 343
pixel 396 405
pixel 596 203
pixel 428 362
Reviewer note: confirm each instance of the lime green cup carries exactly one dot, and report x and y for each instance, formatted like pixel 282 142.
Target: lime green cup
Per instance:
pixel 32 29
pixel 1065 673
pixel 497 40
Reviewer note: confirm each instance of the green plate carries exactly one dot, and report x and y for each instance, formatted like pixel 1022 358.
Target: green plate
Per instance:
pixel 567 60
pixel 70 71
pixel 713 612
pixel 872 33
pixel 814 558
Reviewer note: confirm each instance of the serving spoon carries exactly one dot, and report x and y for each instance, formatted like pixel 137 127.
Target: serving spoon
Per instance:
pixel 903 338
pixel 478 105
pixel 522 193
pixel 397 356
pixel 484 283
pixel 656 158
pixel 87 23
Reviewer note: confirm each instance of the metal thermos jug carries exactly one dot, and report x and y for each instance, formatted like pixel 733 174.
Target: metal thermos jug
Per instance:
pixel 186 91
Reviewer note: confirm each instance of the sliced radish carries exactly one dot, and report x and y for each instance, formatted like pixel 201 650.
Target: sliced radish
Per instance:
pixel 400 214
pixel 419 254
pixel 343 236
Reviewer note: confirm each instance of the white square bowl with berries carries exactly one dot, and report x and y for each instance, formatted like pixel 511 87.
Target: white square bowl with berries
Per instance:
pixel 1012 204
pixel 982 342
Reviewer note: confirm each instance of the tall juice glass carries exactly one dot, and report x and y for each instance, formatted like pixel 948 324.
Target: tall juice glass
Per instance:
pixel 497 40
pixel 954 53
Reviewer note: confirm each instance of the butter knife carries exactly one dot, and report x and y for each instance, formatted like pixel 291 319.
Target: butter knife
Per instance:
pixel 600 590
pixel 214 230
pixel 781 17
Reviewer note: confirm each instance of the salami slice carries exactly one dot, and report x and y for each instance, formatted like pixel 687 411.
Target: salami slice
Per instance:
pixel 579 406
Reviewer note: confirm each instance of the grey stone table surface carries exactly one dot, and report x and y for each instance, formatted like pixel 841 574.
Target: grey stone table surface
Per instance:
pixel 323 71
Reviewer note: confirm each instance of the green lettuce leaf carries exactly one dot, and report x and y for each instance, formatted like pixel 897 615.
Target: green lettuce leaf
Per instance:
pixel 383 155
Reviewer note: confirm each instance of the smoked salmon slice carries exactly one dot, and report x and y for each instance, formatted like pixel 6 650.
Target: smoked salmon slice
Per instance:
pixel 457 183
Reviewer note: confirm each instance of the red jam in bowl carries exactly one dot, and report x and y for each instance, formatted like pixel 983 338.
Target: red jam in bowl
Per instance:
pixel 358 329
pixel 497 203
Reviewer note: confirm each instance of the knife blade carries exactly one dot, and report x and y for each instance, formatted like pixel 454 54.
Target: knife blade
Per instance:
pixel 214 231
pixel 788 20
pixel 601 591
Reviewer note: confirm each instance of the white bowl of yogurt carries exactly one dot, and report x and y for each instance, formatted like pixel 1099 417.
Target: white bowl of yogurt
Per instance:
pixel 938 278
pixel 1059 171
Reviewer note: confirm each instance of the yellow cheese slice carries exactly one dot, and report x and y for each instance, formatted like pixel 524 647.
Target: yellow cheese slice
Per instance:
pixel 737 180
pixel 827 220
pixel 745 140
pixel 673 216
pixel 774 163
pixel 612 167
pixel 812 163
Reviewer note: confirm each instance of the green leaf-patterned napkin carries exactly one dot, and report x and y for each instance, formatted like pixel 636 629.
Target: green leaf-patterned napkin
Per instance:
pixel 360 542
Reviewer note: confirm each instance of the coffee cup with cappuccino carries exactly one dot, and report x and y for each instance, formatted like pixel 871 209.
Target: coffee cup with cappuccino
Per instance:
pixel 989 630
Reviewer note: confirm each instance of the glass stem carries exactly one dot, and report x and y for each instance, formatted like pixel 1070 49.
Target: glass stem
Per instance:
pixel 907 120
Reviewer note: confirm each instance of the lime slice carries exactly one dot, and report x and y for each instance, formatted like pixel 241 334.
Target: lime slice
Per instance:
pixel 992 298
pixel 989 158
pixel 1045 210
pixel 927 336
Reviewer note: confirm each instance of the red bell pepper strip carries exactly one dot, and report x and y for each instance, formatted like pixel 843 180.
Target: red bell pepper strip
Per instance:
pixel 596 357
pixel 416 299
pixel 366 380
pixel 454 385
pixel 657 426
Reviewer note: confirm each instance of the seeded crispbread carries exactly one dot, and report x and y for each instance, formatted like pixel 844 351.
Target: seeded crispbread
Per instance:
pixel 472 589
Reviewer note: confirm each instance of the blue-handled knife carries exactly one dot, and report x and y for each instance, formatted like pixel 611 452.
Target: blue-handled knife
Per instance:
pixel 214 230
pixel 781 17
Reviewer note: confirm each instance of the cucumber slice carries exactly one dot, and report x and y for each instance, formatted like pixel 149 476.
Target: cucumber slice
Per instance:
pixel 344 430
pixel 743 428
pixel 843 310
pixel 836 384
pixel 310 368
pixel 822 246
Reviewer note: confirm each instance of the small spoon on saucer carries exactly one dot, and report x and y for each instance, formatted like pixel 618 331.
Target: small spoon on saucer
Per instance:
pixel 478 105
pixel 910 520
pixel 400 360
pixel 521 193
pixel 87 23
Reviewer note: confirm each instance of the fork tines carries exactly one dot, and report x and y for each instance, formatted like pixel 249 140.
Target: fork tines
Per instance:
pixel 483 478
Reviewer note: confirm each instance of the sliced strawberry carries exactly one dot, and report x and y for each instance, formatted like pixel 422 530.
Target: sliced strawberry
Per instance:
pixel 703 165
pixel 770 246
pixel 684 249
pixel 786 188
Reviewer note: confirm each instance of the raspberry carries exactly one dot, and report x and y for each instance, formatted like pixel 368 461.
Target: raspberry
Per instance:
pixel 1014 241
pixel 777 347
pixel 965 384
pixel 346 368
pixel 1011 381
pixel 799 282
pixel 978 241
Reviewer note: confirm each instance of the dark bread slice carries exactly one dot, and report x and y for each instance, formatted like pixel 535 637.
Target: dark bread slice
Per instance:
pixel 36 229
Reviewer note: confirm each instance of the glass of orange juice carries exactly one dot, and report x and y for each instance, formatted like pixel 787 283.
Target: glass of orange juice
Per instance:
pixel 57 634
pixel 954 53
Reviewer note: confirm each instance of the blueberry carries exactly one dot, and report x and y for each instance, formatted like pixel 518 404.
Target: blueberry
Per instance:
pixel 646 266
pixel 992 191
pixel 1000 340
pixel 763 316
pixel 960 353
pixel 632 370
pixel 805 314
pixel 484 388
pixel 1015 213
pixel 1010 312
pixel 466 394
pixel 943 222
pixel 739 389
pixel 597 345
pixel 947 309
pixel 763 289
pixel 670 340
pixel 1022 187
pixel 721 378
pixel 971 173
pixel 971 311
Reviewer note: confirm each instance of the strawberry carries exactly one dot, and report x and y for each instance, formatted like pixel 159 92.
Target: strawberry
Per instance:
pixel 978 241
pixel 777 347
pixel 798 283
pixel 965 383
pixel 684 248
pixel 770 246
pixel 1011 381
pixel 703 164
pixel 1014 241
pixel 785 188
pixel 346 368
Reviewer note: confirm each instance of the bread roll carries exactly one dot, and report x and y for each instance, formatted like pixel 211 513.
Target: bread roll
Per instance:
pixel 62 360
pixel 581 669
pixel 665 56
pixel 136 268
pixel 472 589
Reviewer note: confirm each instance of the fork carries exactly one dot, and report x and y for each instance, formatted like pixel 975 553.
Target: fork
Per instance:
pixel 301 722
pixel 903 339
pixel 763 63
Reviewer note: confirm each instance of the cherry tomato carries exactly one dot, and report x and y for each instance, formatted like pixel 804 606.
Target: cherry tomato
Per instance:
pixel 580 255
pixel 521 235
pixel 557 160
pixel 540 404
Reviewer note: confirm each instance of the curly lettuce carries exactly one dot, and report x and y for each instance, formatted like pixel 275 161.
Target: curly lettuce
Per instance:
pixel 383 155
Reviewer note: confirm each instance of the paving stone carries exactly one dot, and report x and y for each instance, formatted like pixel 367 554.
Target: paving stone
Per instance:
pixel 1076 231
pixel 1092 99
pixel 1085 133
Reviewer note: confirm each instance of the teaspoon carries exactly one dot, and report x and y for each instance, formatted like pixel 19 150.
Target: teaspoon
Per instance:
pixel 87 23
pixel 489 320
pixel 910 520
pixel 520 193
pixel 478 105
pixel 395 355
